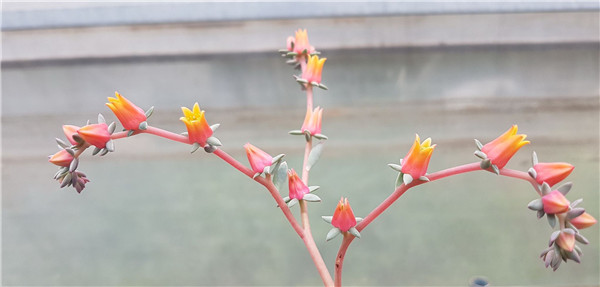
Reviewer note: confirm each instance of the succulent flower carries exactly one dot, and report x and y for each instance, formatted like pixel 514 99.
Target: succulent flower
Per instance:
pixel 498 152
pixel 258 159
pixel 130 115
pixel 95 134
pixel 198 129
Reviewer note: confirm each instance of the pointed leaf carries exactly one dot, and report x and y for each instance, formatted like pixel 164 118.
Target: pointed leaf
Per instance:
pixel 215 127
pixel 314 155
pixel 358 219
pixel 321 136
pixel 478 143
pixel 332 234
pixel 534 158
pixel 354 232
pixel 110 145
pixel 532 172
pixel 545 188
pixel 112 127
pixel 213 141
pixel 495 168
pixel 551 220
pixel 74 164
pixel 398 180
pixel 536 204
pixel 313 188
pixel 575 212
pixel 311 197
pixel 149 112
pixel 195 147
pixel 296 132
pixel 280 176
pixel 407 178
pixel 143 125
pixel 565 188
pixel 61 143
pixel 395 167
pixel 327 219
pixel 480 154
pixel 101 119
pixel 292 202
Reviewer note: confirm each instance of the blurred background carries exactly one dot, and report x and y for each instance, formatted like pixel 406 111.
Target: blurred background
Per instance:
pixel 155 215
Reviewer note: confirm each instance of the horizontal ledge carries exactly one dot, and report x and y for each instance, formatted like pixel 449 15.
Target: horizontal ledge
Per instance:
pixel 71 15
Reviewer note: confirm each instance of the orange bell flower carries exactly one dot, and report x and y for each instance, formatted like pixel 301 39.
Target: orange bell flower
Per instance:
pixel 415 163
pixel 198 129
pixel 500 150
pixel 128 114
pixel 343 217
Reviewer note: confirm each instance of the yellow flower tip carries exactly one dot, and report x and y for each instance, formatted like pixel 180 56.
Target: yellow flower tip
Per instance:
pixel 196 109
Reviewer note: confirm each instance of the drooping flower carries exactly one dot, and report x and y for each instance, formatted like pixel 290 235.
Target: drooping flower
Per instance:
pixel 69 131
pixel 500 150
pixel 95 134
pixel 313 70
pixel 128 114
pixel 552 173
pixel 300 44
pixel 585 220
pixel 415 163
pixel 566 239
pixel 61 158
pixel 297 188
pixel 312 121
pixel 343 217
pixel 555 202
pixel 198 129
pixel 258 158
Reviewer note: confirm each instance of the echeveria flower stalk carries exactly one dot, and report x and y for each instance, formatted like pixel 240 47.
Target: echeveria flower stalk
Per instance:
pixel 258 158
pixel 128 114
pixel 198 129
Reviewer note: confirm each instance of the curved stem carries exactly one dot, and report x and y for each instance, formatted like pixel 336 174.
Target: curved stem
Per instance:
pixel 400 191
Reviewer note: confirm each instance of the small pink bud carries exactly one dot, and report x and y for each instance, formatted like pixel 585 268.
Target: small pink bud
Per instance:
pixel 566 240
pixel 95 134
pixel 258 159
pixel 583 221
pixel 343 217
pixel 297 188
pixel 552 173
pixel 61 158
pixel 555 202
pixel 69 131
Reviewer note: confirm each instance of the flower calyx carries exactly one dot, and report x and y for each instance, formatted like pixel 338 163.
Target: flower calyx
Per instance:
pixel 343 221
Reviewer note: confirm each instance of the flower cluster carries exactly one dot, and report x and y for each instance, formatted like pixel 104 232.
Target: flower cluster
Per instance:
pixel 273 172
pixel 557 208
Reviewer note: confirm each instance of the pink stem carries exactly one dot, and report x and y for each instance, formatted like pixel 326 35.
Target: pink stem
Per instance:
pixel 309 98
pixel 400 191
